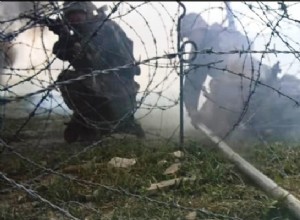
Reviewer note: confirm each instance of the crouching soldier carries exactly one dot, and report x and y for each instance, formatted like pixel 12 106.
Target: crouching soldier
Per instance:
pixel 101 102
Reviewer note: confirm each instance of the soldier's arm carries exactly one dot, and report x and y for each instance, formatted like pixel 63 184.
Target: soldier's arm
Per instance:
pixel 125 47
pixel 63 48
pixel 192 87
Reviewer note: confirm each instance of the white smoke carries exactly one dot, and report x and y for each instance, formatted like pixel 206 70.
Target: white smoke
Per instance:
pixel 27 54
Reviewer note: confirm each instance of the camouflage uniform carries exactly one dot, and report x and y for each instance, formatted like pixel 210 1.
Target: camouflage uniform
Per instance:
pixel 104 102
pixel 205 37
pixel 224 103
pixel 228 94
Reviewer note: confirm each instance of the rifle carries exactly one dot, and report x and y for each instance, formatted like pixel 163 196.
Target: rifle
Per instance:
pixel 82 35
pixel 55 25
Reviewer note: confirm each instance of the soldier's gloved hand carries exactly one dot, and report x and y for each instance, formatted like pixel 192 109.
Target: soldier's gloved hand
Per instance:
pixel 77 50
pixel 63 30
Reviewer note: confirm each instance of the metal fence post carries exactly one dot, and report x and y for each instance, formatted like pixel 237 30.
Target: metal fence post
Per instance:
pixel 179 49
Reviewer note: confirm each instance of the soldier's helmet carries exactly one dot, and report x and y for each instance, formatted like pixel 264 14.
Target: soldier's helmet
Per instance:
pixel 87 7
pixel 191 22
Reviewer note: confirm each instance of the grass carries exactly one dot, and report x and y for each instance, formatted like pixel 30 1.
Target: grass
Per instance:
pixel 121 193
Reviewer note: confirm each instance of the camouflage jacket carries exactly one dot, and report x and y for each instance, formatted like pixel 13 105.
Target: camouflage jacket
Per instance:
pixel 104 45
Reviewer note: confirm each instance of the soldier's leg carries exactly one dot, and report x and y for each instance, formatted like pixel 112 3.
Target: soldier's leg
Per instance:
pixel 79 130
pixel 70 91
pixel 72 131
pixel 75 96
pixel 88 132
pixel 119 108
pixel 129 124
pixel 135 128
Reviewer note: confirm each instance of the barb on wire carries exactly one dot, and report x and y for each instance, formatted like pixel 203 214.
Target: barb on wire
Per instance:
pixel 37 196
pixel 110 188
pixel 155 29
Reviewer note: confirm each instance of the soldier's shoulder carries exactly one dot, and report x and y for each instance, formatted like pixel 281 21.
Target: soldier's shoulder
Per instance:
pixel 105 24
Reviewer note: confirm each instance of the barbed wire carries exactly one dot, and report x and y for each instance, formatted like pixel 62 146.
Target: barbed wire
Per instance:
pixel 168 56
pixel 35 195
pixel 89 183
pixel 157 37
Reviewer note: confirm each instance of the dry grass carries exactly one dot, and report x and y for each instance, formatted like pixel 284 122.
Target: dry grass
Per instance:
pixel 118 193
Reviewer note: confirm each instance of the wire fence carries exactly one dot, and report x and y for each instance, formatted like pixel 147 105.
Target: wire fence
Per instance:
pixel 232 67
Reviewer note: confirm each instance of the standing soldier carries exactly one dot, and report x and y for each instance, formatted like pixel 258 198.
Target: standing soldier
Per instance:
pixel 229 92
pixel 104 102
pixel 208 37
